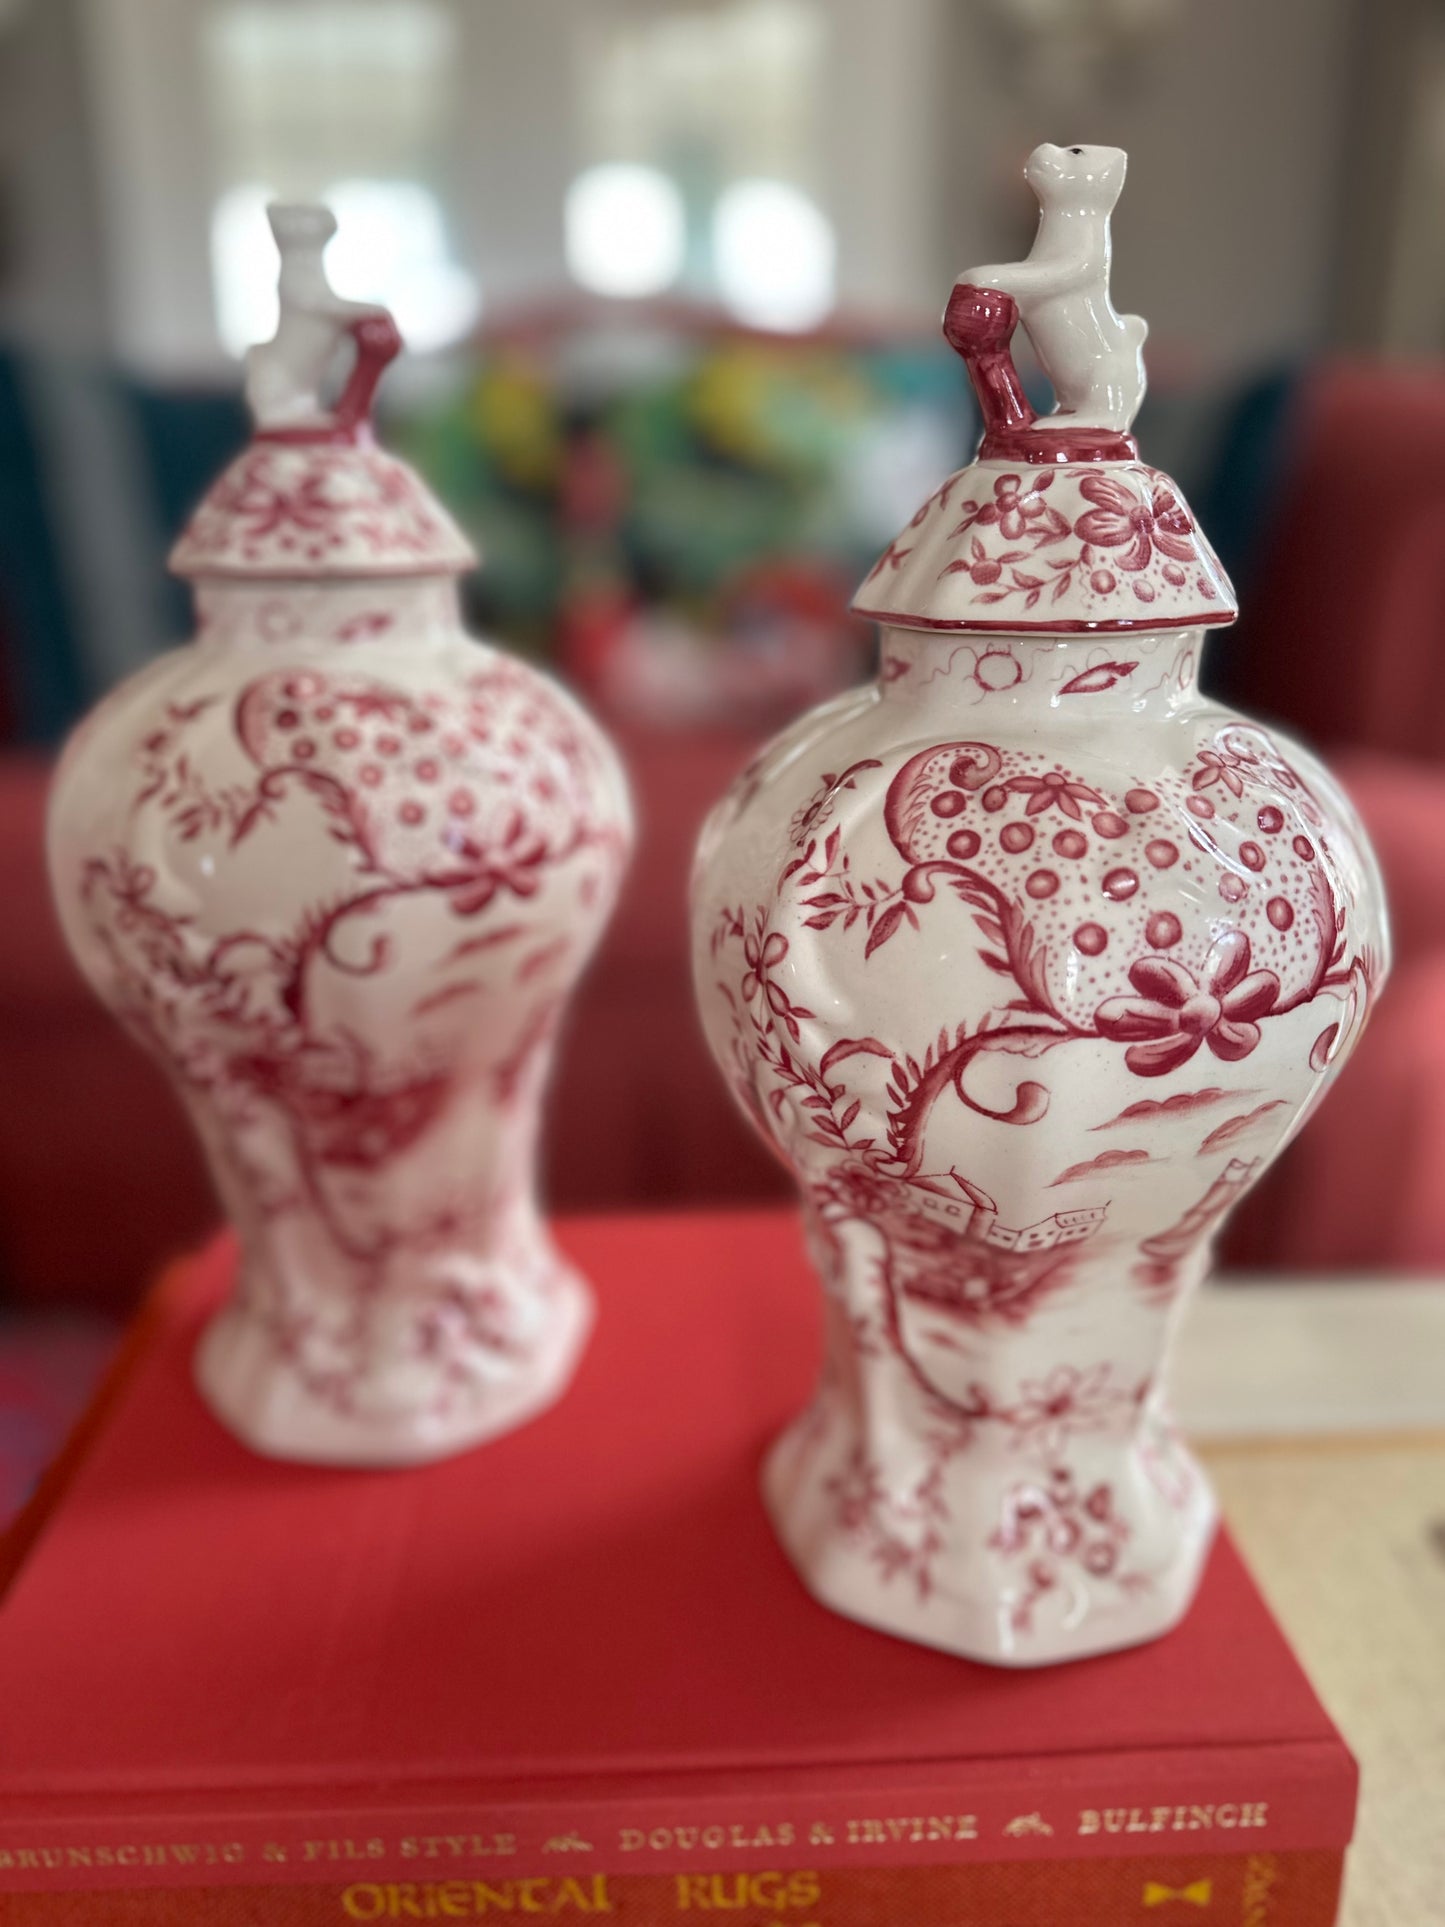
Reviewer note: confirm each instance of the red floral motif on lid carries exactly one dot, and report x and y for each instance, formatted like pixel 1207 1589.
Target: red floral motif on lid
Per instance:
pixel 1018 511
pixel 320 509
pixel 1119 519
pixel 1081 546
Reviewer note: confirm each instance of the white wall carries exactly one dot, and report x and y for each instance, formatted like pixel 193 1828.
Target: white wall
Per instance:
pixel 1227 233
pixel 54 285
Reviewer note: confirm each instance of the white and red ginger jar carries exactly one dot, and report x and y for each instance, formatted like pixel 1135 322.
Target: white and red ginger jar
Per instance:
pixel 1027 959
pixel 338 865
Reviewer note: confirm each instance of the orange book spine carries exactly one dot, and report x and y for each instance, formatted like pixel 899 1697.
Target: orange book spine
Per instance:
pixel 1240 1890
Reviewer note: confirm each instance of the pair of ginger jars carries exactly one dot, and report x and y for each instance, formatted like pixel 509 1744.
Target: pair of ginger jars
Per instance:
pixel 1025 958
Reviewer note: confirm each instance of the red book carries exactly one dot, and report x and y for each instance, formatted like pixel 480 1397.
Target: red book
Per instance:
pixel 577 1656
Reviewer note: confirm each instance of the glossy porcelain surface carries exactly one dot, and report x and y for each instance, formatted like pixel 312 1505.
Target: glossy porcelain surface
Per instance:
pixel 1004 546
pixel 339 865
pixel 1027 959
pixel 1094 355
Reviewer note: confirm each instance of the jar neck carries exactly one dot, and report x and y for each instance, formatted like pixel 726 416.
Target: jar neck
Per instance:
pixel 273 611
pixel 1141 672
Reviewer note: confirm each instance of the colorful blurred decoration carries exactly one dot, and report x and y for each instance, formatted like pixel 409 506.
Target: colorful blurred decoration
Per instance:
pixel 679 512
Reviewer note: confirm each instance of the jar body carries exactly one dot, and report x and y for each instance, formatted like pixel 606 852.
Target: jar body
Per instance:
pixel 338 865
pixel 1027 960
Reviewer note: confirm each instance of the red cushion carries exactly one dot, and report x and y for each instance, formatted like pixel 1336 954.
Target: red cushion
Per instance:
pixel 1403 805
pixel 1341 631
pixel 1364 1185
pixel 633 1052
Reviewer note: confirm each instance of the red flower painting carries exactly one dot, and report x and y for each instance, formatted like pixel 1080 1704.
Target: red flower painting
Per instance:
pixel 1172 1013
pixel 1119 520
pixel 1054 790
pixel 1018 512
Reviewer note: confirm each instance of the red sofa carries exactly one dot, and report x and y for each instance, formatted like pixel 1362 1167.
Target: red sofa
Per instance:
pixel 1343 640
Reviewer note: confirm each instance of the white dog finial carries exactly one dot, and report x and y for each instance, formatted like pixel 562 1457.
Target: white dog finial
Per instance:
pixel 285 375
pixel 1091 354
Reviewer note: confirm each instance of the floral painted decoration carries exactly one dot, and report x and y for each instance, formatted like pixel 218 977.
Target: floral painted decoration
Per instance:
pixel 998 547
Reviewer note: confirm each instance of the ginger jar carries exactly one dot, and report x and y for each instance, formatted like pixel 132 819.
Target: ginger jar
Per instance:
pixel 1026 959
pixel 338 864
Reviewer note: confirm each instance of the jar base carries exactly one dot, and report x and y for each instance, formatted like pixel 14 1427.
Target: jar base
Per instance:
pixel 270 1409
pixel 962 1615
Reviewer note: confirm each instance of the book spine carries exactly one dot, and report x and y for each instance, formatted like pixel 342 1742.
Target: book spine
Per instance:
pixel 1245 1890
pixel 1070 1809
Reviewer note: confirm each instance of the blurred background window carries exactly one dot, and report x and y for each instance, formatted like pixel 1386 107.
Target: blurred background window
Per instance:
pixel 626 229
pixel 704 130
pixel 772 253
pixel 353 106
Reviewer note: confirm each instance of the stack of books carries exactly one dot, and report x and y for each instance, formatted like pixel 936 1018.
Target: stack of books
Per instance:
pixel 570 1674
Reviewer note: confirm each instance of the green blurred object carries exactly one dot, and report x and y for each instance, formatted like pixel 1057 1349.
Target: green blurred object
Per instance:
pixel 681 529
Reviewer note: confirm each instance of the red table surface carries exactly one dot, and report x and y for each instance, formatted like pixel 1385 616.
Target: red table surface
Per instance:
pixel 598 1592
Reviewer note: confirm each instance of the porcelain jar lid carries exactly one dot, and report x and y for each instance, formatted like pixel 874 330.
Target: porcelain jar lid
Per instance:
pixel 312 495
pixel 1056 525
